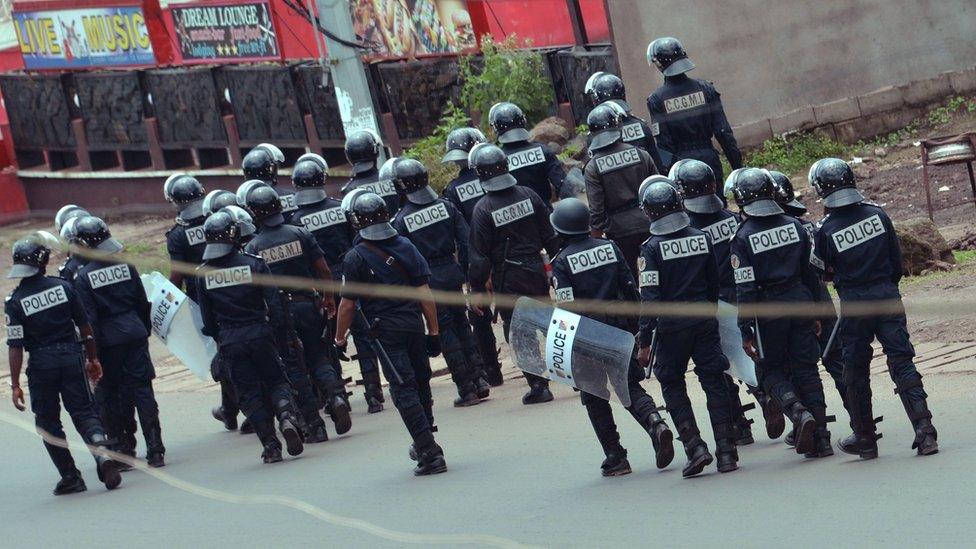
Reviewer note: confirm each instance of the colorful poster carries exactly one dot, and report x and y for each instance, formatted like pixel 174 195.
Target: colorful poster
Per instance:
pixel 408 28
pixel 235 32
pixel 84 38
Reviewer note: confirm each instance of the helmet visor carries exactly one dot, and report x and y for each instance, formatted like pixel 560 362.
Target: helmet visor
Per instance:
pixel 499 182
pixel 843 197
pixel 514 135
pixel 680 66
pixel 217 249
pixel 304 197
pixel 380 231
pixel 23 271
pixel 762 208
pixel 705 204
pixel 670 223
pixel 454 156
pixel 422 196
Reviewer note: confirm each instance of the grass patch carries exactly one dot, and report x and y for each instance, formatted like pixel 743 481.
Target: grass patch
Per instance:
pixel 964 256
pixel 795 153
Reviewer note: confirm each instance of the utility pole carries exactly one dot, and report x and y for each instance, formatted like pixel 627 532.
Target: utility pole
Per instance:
pixel 346 68
pixel 576 18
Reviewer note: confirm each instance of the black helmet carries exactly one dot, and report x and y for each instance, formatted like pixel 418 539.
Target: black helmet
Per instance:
pixel 317 158
pixel 755 192
pixel 570 216
pixel 67 212
pixel 275 152
pixel 92 232
pixel 786 195
pixel 386 170
pixel 491 165
pixel 245 190
pixel 669 56
pixel 508 121
pixel 653 179
pixel 460 142
pixel 216 200
pixel 604 86
pixel 835 182
pixel 371 218
pixel 260 163
pixel 362 150
pixel 69 231
pixel 168 185
pixel 661 201
pixel 604 124
pixel 697 183
pixel 187 194
pixel 265 206
pixel 308 176
pixel 222 234
pixel 410 178
pixel 30 257
pixel 244 220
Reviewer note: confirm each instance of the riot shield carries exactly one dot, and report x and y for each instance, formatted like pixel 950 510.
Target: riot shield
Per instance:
pixel 576 351
pixel 176 321
pixel 741 366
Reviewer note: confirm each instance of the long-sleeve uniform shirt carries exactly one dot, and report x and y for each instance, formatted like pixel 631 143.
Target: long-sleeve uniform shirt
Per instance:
pixel 613 176
pixel 859 250
pixel 234 310
pixel 440 233
pixel 535 166
pixel 115 302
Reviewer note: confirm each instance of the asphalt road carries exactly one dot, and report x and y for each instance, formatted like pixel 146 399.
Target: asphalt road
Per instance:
pixel 519 475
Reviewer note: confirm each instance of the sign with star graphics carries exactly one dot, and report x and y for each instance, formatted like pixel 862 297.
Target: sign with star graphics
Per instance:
pixel 241 31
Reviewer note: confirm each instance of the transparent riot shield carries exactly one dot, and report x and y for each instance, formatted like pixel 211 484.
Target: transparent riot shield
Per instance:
pixel 177 322
pixel 741 366
pixel 576 351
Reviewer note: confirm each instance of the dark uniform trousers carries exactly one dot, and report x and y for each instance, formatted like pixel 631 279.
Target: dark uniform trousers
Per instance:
pixel 457 342
pixel 630 246
pixel 526 276
pixel 126 386
pixel 360 337
pixel 410 383
pixel 310 326
pixel 699 343
pixel 295 369
pixel 256 373
pixel 56 374
pixel 220 370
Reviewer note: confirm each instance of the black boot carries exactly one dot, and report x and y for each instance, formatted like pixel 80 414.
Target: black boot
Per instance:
pixel 230 422
pixel 743 431
pixel 154 444
pixel 109 470
pixel 338 407
pixel 863 442
pixel 317 433
pixel 430 456
pixel 662 439
pixel 926 438
pixel 288 426
pixel 615 465
pixel 725 452
pixel 821 436
pixel 246 427
pixel 373 392
pixel 482 387
pixel 698 457
pixel 538 392
pixel 772 415
pixel 271 453
pixel 467 395
pixel 71 484
pixel 804 426
pixel 493 373
pixel 790 439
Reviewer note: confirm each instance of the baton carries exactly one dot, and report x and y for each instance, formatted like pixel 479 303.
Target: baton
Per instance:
pixel 377 347
pixel 650 361
pixel 759 343
pixel 830 340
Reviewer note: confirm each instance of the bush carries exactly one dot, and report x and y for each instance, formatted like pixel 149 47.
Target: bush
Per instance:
pixel 430 150
pixel 795 153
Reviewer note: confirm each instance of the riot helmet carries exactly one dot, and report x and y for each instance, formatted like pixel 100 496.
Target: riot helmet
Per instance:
pixel 264 204
pixel 509 122
pixel 410 178
pixel 661 202
pixel 834 181
pixel 491 165
pixel 460 142
pixel 786 195
pixel 244 221
pixel 755 192
pixel 216 200
pixel 604 86
pixel 187 194
pixel 260 164
pixel 669 56
pixel 308 176
pixel 570 216
pixel 223 235
pixel 92 232
pixel 371 217
pixel 30 257
pixel 362 149
pixel 696 180
pixel 67 212
pixel 604 124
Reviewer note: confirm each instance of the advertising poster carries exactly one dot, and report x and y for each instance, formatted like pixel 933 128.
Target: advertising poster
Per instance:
pixel 83 38
pixel 408 28
pixel 242 31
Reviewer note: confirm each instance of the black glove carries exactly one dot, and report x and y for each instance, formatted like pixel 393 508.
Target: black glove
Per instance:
pixel 341 350
pixel 433 345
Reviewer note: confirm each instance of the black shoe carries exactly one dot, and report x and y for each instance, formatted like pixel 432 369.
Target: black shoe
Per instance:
pixel 537 395
pixel 230 423
pixel 374 398
pixel 663 441
pixel 821 444
pixel 70 485
pixel 412 452
pixel 864 446
pixel 790 439
pixel 271 453
pixel 698 459
pixel 615 465
pixel 339 412
pixel 804 425
pixel 155 460
pixel 484 389
pixel 246 427
pixel 293 438
pixel 430 462
pixel 726 455
pixel 773 415
pixel 109 472
pixel 467 399
pixel 317 434
pixel 926 438
pixel 494 376
pixel 743 432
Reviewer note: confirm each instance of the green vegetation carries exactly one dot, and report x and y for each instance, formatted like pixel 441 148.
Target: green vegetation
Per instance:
pixel 795 153
pixel 942 115
pixel 964 256
pixel 430 150
pixel 151 257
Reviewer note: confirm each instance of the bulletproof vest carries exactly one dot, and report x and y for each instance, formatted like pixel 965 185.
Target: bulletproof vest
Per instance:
pixel 392 313
pixel 284 249
pixel 720 227
pixel 465 191
pixel 430 227
pixel 118 299
pixel 675 268
pixel 39 313
pixel 592 268
pixel 776 250
pixel 527 162
pixel 330 227
pixel 370 180
pixel 685 106
pixel 858 241
pixel 636 132
pixel 512 217
pixel 237 306
pixel 186 243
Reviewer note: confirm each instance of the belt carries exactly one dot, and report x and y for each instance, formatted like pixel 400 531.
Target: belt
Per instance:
pixel 624 207
pixel 240 324
pixel 701 145
pixel 73 346
pixel 302 297
pixel 439 261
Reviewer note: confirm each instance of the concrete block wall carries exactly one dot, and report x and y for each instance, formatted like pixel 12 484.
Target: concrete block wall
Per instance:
pixel 864 116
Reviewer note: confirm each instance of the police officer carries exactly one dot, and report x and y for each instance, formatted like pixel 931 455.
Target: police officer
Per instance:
pixel 831 350
pixel 42 316
pixel 262 163
pixel 440 233
pixel 677 265
pixel 69 234
pixel 605 277
pixel 464 191
pixel 602 87
pixel 860 251
pixel 291 251
pixel 185 242
pixel 323 216
pixel 613 174
pixel 116 304
pixel 687 112
pixel 245 320
pixel 509 227
pixel 363 151
pixel 532 164
pixel 216 200
pixel 697 184
pixel 771 262
pixel 383 257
